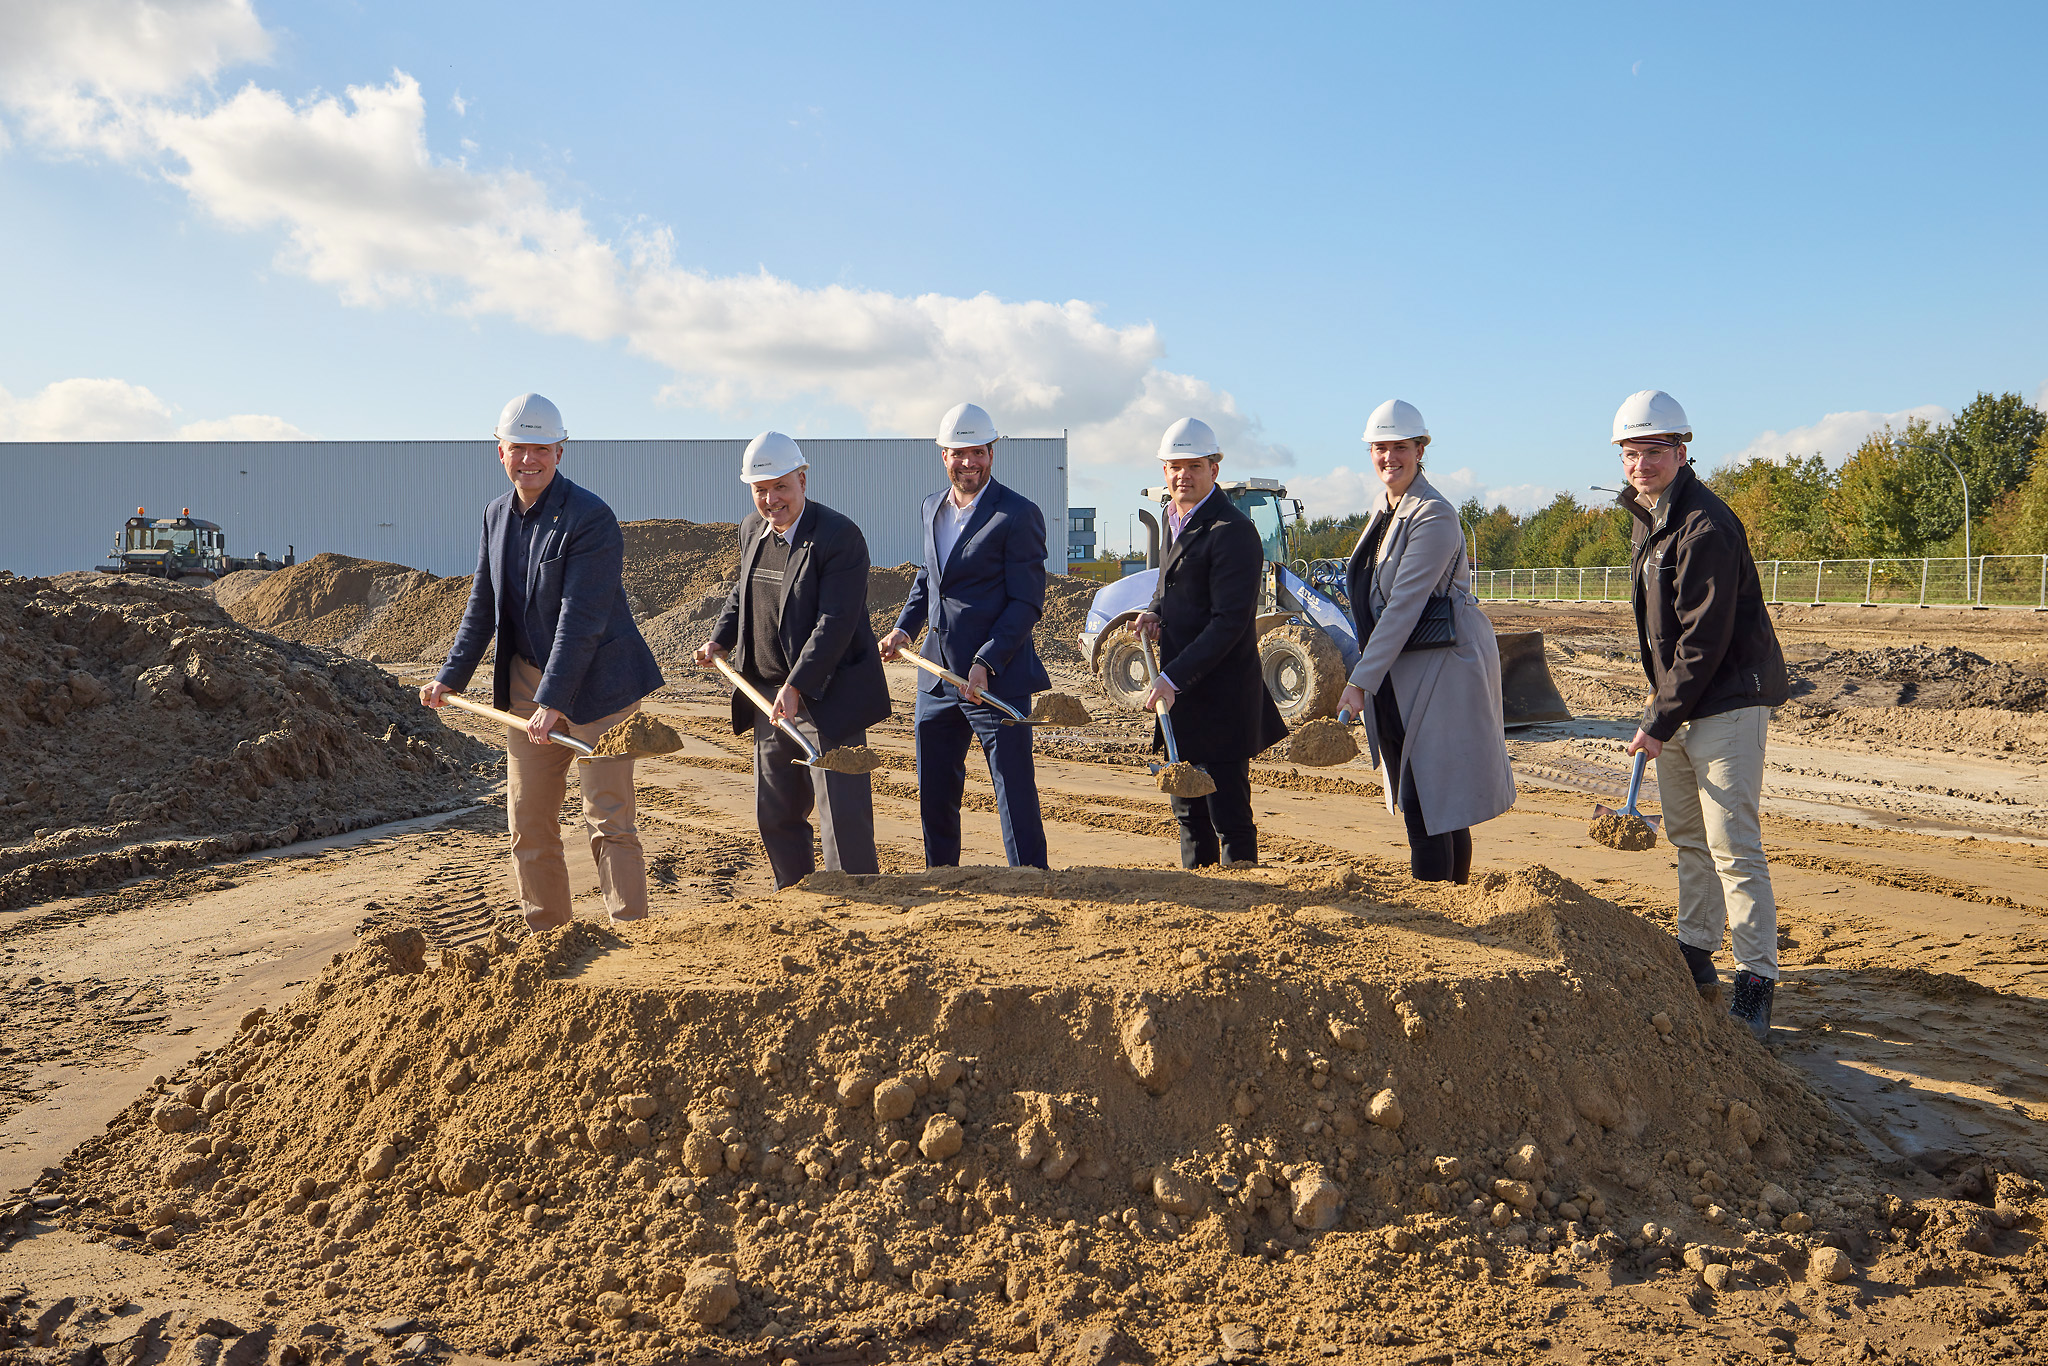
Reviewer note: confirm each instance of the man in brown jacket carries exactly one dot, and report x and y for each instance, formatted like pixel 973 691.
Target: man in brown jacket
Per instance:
pixel 1715 672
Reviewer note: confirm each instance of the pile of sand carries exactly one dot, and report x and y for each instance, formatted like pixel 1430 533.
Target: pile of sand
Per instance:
pixel 132 710
pixel 988 1107
pixel 672 564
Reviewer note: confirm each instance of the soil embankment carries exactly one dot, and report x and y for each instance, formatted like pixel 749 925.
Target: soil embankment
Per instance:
pixel 142 729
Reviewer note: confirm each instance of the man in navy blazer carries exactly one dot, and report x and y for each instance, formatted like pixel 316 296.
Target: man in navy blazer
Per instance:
pixel 549 589
pixel 981 591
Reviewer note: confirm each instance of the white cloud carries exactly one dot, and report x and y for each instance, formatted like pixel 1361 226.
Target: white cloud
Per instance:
pixel 1836 436
pixel 115 410
pixel 1344 491
pixel 367 209
pixel 76 71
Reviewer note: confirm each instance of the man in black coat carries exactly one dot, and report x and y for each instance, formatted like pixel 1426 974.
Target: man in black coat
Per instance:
pixel 549 588
pixel 796 627
pixel 1715 671
pixel 1204 618
pixel 981 590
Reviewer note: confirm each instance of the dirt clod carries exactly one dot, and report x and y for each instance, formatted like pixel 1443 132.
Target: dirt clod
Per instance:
pixel 1321 743
pixel 1628 833
pixel 850 759
pixel 638 734
pixel 1185 780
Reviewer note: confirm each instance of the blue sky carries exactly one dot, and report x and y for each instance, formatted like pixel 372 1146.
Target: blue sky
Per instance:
pixel 378 220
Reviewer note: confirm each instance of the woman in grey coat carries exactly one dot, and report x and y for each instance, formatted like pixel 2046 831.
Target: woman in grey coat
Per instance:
pixel 1434 722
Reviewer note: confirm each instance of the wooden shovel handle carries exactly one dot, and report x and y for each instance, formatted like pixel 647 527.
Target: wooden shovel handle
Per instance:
pixel 455 699
pixel 811 755
pixel 957 681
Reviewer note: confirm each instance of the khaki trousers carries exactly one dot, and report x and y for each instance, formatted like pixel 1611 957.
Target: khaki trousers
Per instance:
pixel 538 779
pixel 1710 777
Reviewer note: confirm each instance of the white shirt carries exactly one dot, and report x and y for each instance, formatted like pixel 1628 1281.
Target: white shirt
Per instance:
pixel 950 522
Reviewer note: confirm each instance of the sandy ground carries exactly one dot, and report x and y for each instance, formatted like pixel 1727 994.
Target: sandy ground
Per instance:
pixel 1908 858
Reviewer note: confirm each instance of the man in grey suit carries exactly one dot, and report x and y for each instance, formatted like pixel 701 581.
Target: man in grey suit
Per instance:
pixel 981 590
pixel 796 627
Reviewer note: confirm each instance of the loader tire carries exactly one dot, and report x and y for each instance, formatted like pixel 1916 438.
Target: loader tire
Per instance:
pixel 1303 672
pixel 1121 668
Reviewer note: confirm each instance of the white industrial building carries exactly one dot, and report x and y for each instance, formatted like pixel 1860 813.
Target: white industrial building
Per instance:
pixel 420 503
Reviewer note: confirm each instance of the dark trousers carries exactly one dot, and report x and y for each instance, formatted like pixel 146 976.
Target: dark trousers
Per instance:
pixel 786 793
pixel 1445 857
pixel 944 726
pixel 1220 824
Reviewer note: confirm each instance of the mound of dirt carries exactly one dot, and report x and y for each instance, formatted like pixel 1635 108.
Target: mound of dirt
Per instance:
pixel 317 601
pixel 638 734
pixel 672 564
pixel 982 1108
pixel 1944 677
pixel 230 589
pixel 419 624
pixel 1066 611
pixel 131 710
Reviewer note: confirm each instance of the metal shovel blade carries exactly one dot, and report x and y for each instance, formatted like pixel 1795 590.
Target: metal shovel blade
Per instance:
pixel 1635 786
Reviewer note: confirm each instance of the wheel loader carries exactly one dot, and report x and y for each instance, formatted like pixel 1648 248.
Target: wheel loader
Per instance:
pixel 184 549
pixel 1307 642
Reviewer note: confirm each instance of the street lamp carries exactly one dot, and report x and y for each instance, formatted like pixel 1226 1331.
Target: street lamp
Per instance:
pixel 1967 596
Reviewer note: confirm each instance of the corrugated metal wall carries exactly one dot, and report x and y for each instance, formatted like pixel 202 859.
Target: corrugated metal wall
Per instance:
pixel 420 503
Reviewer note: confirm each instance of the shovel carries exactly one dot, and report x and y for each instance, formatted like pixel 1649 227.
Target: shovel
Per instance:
pixel 837 761
pixel 516 722
pixel 1175 778
pixel 1629 836
pixel 1011 716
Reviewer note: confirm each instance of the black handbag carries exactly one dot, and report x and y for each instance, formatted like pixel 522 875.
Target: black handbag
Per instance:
pixel 1435 628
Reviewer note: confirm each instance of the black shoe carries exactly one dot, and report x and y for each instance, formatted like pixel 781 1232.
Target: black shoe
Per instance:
pixel 1701 964
pixel 1753 1003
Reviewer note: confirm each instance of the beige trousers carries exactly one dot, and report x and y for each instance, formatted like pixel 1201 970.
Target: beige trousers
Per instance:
pixel 1710 778
pixel 538 780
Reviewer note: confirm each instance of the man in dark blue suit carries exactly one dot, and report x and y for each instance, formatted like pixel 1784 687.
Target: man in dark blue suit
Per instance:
pixel 981 591
pixel 549 589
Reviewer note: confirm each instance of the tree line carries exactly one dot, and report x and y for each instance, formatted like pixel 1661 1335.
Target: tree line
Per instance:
pixel 1896 496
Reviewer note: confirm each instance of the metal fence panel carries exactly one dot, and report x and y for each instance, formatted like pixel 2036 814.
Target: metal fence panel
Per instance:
pixel 2019 581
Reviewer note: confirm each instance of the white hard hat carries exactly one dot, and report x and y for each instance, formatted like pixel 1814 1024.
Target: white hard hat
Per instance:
pixel 1395 420
pixel 1650 412
pixel 1188 438
pixel 531 420
pixel 770 456
pixel 967 424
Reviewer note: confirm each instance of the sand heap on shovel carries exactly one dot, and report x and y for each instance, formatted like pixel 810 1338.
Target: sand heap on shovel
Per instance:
pixel 1321 743
pixel 638 734
pixel 133 711
pixel 984 1108
pixel 850 759
pixel 1617 831
pixel 1185 780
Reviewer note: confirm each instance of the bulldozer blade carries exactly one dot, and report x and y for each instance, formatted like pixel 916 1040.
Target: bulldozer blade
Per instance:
pixel 1528 696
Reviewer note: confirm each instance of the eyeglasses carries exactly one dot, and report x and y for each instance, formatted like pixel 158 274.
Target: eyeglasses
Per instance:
pixel 1635 452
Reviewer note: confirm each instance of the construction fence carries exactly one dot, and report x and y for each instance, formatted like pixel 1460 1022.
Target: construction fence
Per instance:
pixel 2018 581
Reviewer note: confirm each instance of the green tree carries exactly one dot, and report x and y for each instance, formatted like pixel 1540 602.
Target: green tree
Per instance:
pixel 1871 507
pixel 1498 533
pixel 2017 524
pixel 1787 506
pixel 1992 441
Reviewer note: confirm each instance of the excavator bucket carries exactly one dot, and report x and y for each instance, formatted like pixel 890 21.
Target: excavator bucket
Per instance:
pixel 1528 696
